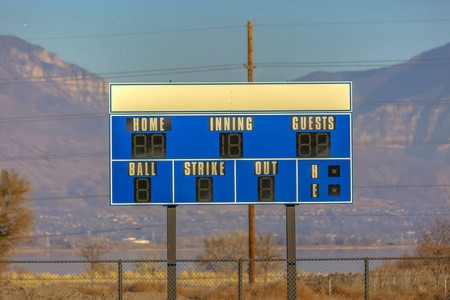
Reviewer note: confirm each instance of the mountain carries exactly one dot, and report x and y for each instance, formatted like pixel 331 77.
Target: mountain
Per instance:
pixel 423 82
pixel 43 99
pixel 54 130
pixel 22 72
pixel 401 135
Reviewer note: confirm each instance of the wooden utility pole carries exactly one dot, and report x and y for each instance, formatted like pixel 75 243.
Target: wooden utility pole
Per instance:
pixel 251 208
pixel 250 51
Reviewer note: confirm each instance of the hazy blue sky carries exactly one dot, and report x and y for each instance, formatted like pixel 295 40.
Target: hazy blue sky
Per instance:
pixel 102 36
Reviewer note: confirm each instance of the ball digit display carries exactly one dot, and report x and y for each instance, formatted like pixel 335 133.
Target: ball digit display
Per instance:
pixel 142 189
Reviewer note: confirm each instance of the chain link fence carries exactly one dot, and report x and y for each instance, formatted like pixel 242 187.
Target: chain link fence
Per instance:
pixel 351 278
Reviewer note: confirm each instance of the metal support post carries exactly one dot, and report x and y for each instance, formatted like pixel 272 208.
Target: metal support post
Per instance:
pixel 171 253
pixel 119 273
pixel 251 244
pixel 366 278
pixel 240 279
pixel 291 253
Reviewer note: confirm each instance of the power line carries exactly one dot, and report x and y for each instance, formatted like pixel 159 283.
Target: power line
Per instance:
pixel 136 33
pixel 76 233
pixel 412 61
pixel 81 155
pixel 400 186
pixel 66 80
pixel 118 229
pixel 105 35
pixel 355 65
pixel 403 143
pixel 359 64
pixel 69 197
pixel 91 76
pixel 353 23
pixel 54 156
pixel 73 78
pixel 103 116
pixel 52 118
pixel 217 219
pixel 399 103
pixel 371 66
pixel 208 68
pixel 193 68
pixel 89 116
pixel 374 215
pixel 169 71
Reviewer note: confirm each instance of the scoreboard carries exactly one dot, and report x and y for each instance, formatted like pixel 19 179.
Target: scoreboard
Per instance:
pixel 230 143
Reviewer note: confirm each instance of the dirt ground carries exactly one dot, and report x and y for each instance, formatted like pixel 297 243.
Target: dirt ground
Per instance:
pixel 10 291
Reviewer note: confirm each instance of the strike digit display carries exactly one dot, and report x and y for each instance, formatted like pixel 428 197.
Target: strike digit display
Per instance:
pixel 252 143
pixel 204 186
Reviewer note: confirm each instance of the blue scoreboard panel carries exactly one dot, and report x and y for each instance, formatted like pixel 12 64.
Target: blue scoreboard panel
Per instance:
pixel 184 144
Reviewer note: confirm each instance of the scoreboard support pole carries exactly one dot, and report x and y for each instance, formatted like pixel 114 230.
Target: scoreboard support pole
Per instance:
pixel 171 253
pixel 291 253
pixel 251 208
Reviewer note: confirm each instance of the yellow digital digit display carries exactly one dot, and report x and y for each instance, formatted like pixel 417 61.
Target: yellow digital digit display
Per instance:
pixel 313 144
pixel 148 145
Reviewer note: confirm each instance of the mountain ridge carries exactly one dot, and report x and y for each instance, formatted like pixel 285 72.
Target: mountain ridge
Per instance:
pixel 24 64
pixel 420 80
pixel 30 147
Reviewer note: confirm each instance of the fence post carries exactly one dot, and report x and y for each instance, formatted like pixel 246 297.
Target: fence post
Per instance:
pixel 120 278
pixel 329 286
pixel 291 256
pixel 366 278
pixel 171 253
pixel 240 279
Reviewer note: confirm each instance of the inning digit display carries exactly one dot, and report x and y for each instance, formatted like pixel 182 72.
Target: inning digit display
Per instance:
pixel 231 144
